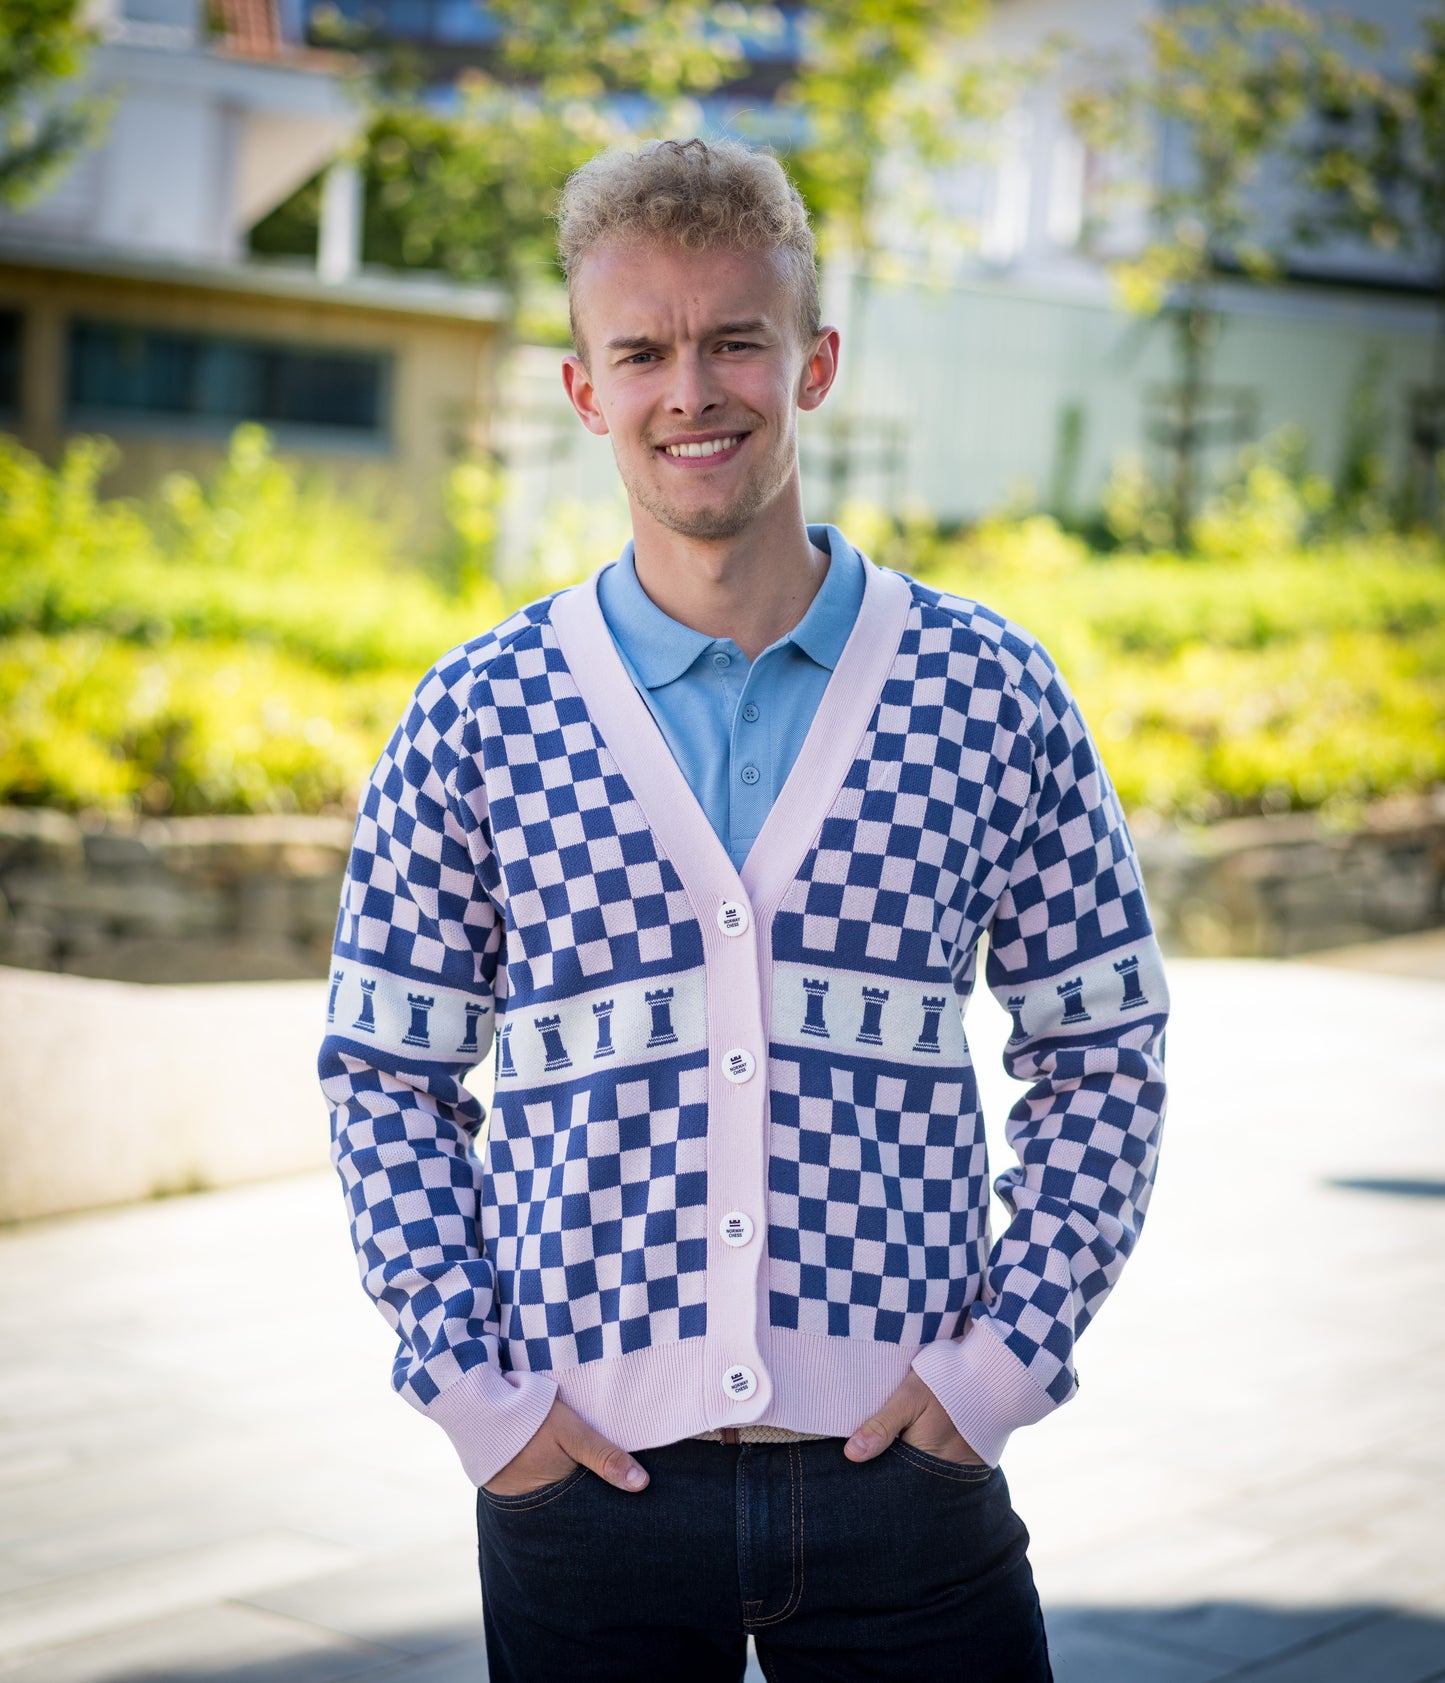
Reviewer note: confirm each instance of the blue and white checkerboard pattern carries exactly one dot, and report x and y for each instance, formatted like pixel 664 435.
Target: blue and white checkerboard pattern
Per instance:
pixel 877 1198
pixel 597 1218
pixel 501 853
pixel 977 803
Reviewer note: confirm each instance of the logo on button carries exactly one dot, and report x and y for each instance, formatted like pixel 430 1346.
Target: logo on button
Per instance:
pixel 740 1383
pixel 738 1065
pixel 732 918
pixel 737 1228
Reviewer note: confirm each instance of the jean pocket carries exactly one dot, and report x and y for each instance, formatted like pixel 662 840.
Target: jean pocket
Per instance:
pixel 958 1472
pixel 538 1498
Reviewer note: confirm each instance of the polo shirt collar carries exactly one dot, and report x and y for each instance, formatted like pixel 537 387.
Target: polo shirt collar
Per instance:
pixel 661 649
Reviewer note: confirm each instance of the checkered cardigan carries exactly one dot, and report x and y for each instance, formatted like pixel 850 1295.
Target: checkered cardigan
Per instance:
pixel 735 1168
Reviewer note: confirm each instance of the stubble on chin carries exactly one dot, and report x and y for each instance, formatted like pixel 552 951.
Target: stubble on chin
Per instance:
pixel 720 521
pixel 728 521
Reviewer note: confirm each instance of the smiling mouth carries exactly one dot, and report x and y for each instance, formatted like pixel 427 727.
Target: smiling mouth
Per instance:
pixel 704 450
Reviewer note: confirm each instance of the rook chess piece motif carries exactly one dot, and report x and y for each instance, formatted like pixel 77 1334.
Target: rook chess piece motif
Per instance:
pixel 1133 998
pixel 871 1033
pixel 337 978
pixel 932 1010
pixel 1016 1011
pixel 475 1010
pixel 602 1010
pixel 366 1022
pixel 505 1066
pixel 1072 994
pixel 660 1004
pixel 556 1052
pixel 813 1022
pixel 418 1033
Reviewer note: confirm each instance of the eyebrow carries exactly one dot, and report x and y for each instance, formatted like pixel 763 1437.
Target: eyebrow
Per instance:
pixel 726 330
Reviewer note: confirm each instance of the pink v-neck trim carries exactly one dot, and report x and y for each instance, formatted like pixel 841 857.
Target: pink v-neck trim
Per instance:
pixel 735 915
pixel 673 811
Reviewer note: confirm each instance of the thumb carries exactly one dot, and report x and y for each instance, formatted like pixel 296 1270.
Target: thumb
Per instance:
pixel 604 1458
pixel 878 1430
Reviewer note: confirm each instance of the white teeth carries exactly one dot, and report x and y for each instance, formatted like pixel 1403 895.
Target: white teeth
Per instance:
pixel 713 447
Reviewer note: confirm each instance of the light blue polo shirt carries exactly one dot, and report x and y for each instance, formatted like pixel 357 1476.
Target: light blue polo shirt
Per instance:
pixel 734 726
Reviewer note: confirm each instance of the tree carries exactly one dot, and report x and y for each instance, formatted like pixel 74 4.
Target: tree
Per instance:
pixel 881 85
pixel 1231 82
pixel 878 79
pixel 42 43
pixel 1377 165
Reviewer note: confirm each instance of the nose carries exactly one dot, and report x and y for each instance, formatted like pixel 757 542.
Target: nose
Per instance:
pixel 692 389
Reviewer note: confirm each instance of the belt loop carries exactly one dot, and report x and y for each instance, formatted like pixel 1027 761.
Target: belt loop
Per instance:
pixel 729 1434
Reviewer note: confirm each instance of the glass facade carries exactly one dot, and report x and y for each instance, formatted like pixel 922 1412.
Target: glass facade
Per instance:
pixel 120 369
pixel 12 326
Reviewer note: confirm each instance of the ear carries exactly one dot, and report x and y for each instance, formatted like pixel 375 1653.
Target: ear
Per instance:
pixel 820 370
pixel 577 383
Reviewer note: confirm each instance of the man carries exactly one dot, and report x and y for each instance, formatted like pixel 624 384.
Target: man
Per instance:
pixel 713 1320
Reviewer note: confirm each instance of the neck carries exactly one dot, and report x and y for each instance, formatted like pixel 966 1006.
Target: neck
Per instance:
pixel 753 588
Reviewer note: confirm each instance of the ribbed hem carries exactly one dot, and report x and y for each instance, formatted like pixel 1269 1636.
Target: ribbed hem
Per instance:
pixel 985 1390
pixel 822 1386
pixel 491 1416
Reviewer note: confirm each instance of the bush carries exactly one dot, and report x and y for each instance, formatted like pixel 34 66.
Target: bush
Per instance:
pixel 242 645
pixel 246 644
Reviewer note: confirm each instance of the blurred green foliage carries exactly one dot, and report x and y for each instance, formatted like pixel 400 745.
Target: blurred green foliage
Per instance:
pixel 246 643
pixel 1259 679
pixel 242 645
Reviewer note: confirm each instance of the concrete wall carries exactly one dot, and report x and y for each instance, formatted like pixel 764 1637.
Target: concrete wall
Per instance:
pixel 114 1092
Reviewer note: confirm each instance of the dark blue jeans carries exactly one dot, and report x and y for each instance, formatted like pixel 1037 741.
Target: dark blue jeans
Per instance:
pixel 904 1567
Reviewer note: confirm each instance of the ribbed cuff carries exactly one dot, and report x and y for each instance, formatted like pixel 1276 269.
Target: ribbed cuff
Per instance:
pixel 491 1416
pixel 985 1390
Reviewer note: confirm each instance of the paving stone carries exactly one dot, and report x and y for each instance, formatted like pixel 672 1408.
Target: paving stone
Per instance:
pixel 1237 1631
pixel 69 1608
pixel 1393 1648
pixel 416 1603
pixel 467 1664
pixel 1094 1648
pixel 220 1644
pixel 1254 1455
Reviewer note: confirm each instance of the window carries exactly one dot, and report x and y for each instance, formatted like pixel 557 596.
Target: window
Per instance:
pixel 12 325
pixel 116 369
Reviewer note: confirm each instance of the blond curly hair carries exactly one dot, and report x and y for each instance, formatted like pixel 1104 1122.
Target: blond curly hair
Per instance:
pixel 695 194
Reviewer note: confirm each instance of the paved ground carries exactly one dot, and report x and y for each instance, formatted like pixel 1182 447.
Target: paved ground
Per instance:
pixel 203 1474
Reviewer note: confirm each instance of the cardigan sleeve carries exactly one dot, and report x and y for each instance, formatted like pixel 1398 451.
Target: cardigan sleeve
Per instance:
pixel 415 975
pixel 1072 957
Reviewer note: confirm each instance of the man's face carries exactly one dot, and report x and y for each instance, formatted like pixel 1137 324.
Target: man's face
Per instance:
pixel 696 372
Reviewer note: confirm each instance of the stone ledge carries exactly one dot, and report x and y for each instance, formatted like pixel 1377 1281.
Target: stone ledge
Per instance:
pixel 255 899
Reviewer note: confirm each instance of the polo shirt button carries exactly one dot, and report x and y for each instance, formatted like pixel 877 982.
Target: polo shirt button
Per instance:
pixel 740 1383
pixel 736 1229
pixel 750 774
pixel 732 918
pixel 750 712
pixel 738 1065
pixel 722 661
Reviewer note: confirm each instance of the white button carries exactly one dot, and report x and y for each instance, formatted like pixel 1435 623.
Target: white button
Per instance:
pixel 740 1383
pixel 732 918
pixel 739 1064
pixel 736 1228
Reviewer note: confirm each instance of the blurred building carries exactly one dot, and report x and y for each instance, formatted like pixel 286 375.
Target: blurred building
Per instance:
pixel 129 306
pixel 995 370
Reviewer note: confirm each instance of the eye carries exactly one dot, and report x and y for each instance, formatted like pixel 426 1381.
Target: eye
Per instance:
pixel 638 357
pixel 737 345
